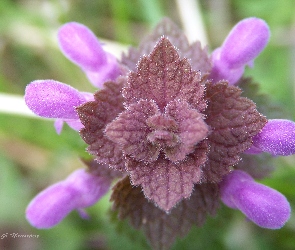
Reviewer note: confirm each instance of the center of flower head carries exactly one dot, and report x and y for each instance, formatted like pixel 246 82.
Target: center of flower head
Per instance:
pixel 163 138
pixel 177 131
pixel 164 130
pixel 174 129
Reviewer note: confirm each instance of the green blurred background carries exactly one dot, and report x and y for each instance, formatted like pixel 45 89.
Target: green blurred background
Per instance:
pixel 33 156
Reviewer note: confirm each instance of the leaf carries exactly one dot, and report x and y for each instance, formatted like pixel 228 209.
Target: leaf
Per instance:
pixel 166 28
pixel 130 131
pixel 163 77
pixel 234 120
pixel 265 105
pixel 95 115
pixel 191 126
pixel 160 228
pixel 100 169
pixel 258 166
pixel 166 183
pixel 143 131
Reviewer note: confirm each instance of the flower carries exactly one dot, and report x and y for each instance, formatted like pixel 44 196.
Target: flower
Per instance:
pixel 277 137
pixel 263 205
pixel 173 131
pixel 81 46
pixel 246 40
pixel 81 189
pixel 177 128
pixel 53 99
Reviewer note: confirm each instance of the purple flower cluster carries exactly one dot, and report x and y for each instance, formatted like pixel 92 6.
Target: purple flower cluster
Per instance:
pixel 175 127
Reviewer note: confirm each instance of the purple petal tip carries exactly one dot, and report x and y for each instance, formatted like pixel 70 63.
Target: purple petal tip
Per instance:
pixel 263 205
pixel 81 46
pixel 277 137
pixel 246 40
pixel 53 204
pixel 243 44
pixel 53 99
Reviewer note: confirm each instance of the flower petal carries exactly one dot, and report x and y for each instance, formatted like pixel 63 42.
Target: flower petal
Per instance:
pixel 243 44
pixel 263 205
pixel 277 137
pixel 58 125
pixel 53 99
pixel 53 204
pixel 80 45
pixel 90 187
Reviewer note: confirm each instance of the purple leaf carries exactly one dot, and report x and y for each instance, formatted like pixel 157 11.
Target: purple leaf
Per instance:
pixel 163 228
pixel 191 126
pixel 166 28
pixel 234 120
pixel 130 131
pixel 142 131
pixel 166 183
pixel 163 77
pixel 95 115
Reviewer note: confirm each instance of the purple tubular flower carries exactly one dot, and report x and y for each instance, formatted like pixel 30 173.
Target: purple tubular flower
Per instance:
pixel 80 45
pixel 53 204
pixel 52 99
pixel 277 137
pixel 263 205
pixel 243 44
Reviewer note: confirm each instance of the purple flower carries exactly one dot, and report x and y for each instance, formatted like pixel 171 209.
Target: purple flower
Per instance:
pixel 80 190
pixel 81 46
pixel 52 99
pixel 277 138
pixel 175 130
pixel 172 129
pixel 263 205
pixel 243 44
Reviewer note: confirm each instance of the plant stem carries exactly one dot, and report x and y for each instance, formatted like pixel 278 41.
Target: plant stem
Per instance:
pixel 15 105
pixel 191 17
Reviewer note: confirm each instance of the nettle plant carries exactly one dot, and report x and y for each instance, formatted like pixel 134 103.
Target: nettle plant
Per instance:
pixel 169 128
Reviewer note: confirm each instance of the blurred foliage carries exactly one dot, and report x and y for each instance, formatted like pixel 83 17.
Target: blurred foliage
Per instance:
pixel 33 156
